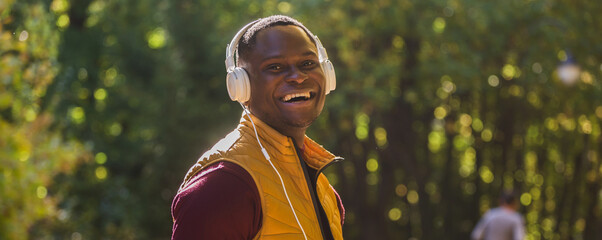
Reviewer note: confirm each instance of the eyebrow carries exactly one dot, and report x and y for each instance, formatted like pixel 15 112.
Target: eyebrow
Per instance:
pixel 308 53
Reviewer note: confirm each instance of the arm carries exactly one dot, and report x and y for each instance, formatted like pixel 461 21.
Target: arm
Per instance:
pixel 519 229
pixel 220 202
pixel 479 229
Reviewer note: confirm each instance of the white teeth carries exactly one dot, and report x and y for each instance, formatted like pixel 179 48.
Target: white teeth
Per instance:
pixel 294 95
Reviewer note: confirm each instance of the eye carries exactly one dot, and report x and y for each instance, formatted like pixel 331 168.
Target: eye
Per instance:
pixel 308 64
pixel 274 67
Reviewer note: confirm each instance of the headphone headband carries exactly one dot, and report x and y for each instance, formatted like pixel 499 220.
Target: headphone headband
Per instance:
pixel 233 46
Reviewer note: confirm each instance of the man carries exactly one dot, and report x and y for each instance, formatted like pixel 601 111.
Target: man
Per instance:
pixel 503 222
pixel 264 180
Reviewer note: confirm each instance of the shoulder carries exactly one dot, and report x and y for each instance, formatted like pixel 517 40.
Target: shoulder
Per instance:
pixel 491 213
pixel 519 218
pixel 234 146
pixel 222 147
pixel 218 199
pixel 217 179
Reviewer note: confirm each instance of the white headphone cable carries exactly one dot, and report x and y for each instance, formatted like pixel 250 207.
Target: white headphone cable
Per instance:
pixel 267 157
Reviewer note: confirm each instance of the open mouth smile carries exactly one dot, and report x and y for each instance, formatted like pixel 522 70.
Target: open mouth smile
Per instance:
pixel 298 97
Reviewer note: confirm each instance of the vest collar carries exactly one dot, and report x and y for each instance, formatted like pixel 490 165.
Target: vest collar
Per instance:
pixel 314 154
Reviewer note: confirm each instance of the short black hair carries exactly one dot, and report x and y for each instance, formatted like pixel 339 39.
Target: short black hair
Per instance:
pixel 248 40
pixel 508 197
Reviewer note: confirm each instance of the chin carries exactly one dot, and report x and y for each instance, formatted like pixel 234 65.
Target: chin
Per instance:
pixel 301 122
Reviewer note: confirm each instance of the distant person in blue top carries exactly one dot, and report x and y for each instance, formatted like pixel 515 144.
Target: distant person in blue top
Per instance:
pixel 503 222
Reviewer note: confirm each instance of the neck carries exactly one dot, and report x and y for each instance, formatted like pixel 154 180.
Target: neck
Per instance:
pixel 297 133
pixel 299 140
pixel 509 207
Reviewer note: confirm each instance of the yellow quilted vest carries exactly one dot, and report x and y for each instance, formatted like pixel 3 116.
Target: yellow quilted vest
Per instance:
pixel 241 147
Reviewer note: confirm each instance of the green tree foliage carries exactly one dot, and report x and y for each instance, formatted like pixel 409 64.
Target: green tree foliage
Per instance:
pixel 448 102
pixel 439 106
pixel 31 153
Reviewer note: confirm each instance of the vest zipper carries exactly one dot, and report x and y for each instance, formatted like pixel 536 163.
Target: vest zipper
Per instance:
pixel 312 189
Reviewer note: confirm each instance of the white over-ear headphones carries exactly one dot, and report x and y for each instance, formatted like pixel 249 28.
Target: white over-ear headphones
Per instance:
pixel 237 80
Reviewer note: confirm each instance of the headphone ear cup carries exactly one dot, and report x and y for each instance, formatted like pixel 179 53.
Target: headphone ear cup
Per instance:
pixel 331 79
pixel 237 82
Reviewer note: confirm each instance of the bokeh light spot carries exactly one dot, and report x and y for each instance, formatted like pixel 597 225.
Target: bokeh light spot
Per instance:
pixel 486 174
pixel 30 114
pixel 586 77
pixel 284 7
pixel 440 112
pixel 63 21
pixel 536 67
pixel 59 6
pixel 101 173
pixel 465 119
pixel 516 91
pixel 23 36
pixel 156 38
pixel 413 197
pixel 439 25
pixel 361 132
pixel 525 199
pixel 100 94
pixel 580 225
pixel 110 76
pixel 394 214
pixel 380 134
pixel 361 121
pixel 398 42
pixel 585 124
pixel 372 179
pixel 401 190
pixel 115 129
pixel 100 158
pixel 76 236
pixel 83 93
pixel 493 81
pixel 448 86
pixel 41 192
pixel 509 72
pixel 561 55
pixel 372 165
pixel 77 115
pixel 436 140
pixel 82 74
pixel 477 124
pixel 551 124
pixel 23 154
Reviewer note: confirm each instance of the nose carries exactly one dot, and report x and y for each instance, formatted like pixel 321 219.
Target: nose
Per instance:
pixel 296 75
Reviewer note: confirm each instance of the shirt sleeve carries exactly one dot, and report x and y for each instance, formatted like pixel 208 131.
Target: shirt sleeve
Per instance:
pixel 477 232
pixel 519 229
pixel 220 202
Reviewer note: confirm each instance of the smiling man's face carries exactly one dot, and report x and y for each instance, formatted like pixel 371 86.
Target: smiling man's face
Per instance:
pixel 287 82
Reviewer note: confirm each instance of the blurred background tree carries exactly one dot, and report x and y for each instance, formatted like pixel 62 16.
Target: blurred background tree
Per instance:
pixel 32 153
pixel 104 104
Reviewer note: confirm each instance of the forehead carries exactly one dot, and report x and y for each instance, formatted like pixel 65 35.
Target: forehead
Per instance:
pixel 278 40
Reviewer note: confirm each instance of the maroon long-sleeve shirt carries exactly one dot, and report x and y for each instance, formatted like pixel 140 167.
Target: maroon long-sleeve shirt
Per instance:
pixel 220 202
